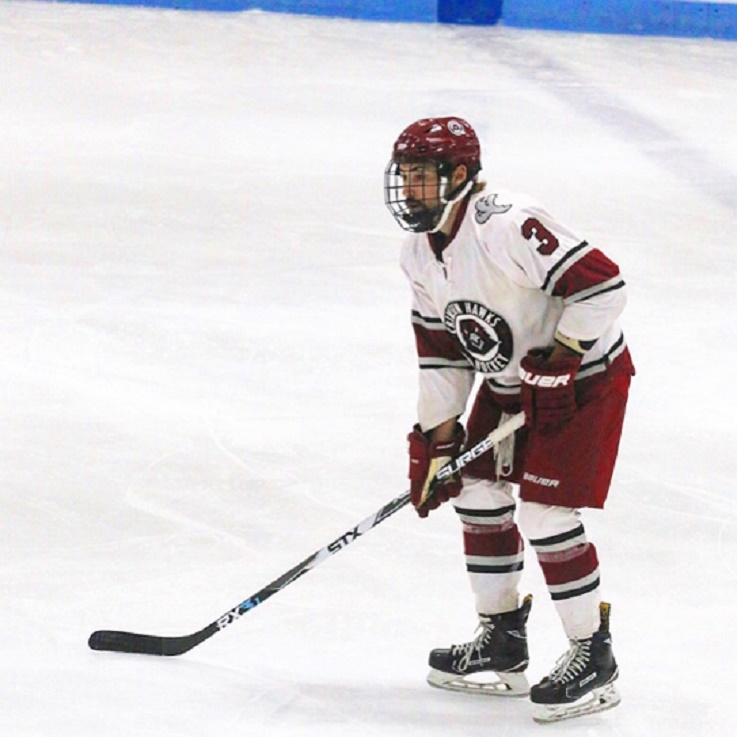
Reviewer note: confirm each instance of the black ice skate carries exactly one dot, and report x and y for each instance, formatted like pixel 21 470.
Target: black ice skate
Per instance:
pixel 493 663
pixel 582 681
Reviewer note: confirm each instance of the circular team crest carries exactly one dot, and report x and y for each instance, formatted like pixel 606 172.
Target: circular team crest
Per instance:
pixel 485 337
pixel 456 128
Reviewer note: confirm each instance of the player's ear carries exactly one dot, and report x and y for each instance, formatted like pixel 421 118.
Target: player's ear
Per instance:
pixel 459 176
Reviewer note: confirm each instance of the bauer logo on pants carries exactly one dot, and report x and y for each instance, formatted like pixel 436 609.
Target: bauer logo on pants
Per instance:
pixel 485 337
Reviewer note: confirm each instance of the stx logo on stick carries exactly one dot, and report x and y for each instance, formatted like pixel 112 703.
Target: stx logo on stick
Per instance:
pixel 344 540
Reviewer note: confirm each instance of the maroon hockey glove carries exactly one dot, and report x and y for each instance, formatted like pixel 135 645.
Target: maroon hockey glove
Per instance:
pixel 547 392
pixel 425 459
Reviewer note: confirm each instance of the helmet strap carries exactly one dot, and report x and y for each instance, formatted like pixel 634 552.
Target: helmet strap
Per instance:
pixel 448 201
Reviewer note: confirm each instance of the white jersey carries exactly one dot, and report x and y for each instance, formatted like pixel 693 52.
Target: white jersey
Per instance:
pixel 509 277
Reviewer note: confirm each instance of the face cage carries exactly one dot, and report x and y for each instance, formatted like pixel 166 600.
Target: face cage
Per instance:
pixel 417 220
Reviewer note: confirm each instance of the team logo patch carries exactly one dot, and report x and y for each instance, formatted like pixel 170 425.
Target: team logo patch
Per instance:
pixel 485 337
pixel 487 206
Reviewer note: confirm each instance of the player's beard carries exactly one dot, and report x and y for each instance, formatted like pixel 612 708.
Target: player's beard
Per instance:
pixel 419 217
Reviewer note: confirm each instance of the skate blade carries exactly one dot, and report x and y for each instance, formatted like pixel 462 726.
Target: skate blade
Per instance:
pixel 600 699
pixel 487 683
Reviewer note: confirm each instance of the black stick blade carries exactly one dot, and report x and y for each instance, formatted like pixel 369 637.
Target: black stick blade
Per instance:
pixel 126 642
pixel 130 642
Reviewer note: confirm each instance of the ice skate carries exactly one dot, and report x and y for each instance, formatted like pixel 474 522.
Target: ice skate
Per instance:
pixel 493 663
pixel 582 681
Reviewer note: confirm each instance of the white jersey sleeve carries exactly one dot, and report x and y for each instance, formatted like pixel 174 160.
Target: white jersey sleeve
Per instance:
pixel 537 252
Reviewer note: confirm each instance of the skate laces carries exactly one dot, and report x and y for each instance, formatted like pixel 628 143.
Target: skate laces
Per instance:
pixel 573 662
pixel 467 650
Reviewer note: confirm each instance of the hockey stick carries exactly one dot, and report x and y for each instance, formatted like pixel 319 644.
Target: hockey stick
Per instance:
pixel 129 642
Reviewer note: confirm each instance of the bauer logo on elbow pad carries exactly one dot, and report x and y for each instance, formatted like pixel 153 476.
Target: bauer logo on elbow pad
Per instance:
pixel 544 381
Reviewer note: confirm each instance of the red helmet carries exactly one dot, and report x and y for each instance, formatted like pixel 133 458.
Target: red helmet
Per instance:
pixel 445 140
pixel 445 143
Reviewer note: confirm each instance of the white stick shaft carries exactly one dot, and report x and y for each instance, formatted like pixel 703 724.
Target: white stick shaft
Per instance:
pixel 514 423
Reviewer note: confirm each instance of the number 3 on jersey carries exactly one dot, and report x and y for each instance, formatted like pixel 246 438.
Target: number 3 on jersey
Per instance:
pixel 533 228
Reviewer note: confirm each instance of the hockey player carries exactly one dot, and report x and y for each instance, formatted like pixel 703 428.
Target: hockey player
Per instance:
pixel 504 292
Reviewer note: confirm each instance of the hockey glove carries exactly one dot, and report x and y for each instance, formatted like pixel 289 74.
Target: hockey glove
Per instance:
pixel 425 459
pixel 547 392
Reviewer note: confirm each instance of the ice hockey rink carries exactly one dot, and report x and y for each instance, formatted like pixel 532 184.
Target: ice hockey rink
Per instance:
pixel 207 370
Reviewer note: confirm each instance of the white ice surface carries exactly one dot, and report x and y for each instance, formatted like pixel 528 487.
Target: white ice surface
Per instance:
pixel 207 370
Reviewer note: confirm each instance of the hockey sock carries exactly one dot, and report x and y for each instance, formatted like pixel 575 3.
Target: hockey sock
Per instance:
pixel 494 553
pixel 571 569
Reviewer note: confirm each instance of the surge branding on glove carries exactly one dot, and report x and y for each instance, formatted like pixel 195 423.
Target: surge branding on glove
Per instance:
pixel 426 458
pixel 548 394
